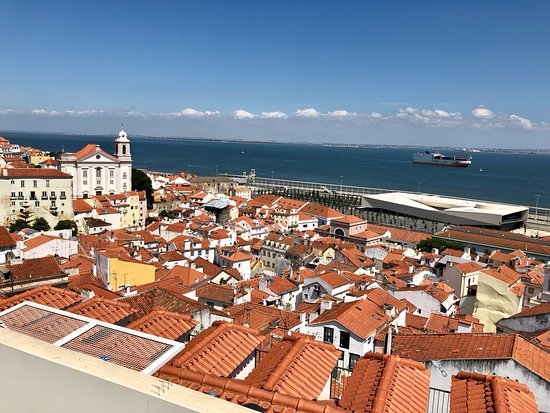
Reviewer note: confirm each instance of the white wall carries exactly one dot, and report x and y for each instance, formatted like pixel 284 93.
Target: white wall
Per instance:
pixel 63 381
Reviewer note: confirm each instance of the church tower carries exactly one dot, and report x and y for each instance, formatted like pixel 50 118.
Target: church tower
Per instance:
pixel 122 147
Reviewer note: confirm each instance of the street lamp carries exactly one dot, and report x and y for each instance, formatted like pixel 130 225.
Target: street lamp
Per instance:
pixel 537 208
pixel 271 174
pixel 341 178
pixel 419 182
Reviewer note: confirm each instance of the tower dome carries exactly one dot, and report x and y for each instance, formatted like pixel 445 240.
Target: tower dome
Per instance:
pixel 122 136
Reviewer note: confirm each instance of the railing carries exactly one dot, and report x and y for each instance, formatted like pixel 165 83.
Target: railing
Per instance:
pixel 439 401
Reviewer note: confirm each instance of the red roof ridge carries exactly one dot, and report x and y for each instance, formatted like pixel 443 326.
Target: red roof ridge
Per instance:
pixel 236 391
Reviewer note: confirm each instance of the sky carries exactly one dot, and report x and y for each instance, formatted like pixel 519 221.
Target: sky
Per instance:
pixel 446 73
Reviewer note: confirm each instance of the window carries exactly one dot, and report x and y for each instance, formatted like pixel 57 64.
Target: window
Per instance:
pixel 36 203
pixel 13 195
pixel 12 182
pixel 530 290
pixel 328 334
pixel 111 173
pixel 353 358
pixel 98 173
pixel 22 184
pixel 20 195
pixel 44 194
pixel 52 193
pixel 34 184
pixel 84 173
pixel 53 203
pixel 33 195
pixel 62 194
pixel 344 339
pixel 47 183
pixel 124 175
pixel 84 182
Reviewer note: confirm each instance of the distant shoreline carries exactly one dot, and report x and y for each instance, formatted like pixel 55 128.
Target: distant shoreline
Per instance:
pixel 512 151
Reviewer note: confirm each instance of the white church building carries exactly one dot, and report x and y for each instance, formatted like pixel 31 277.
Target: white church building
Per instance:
pixel 96 172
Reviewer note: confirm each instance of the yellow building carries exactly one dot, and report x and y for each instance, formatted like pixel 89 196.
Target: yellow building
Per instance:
pixel 119 271
pixel 499 295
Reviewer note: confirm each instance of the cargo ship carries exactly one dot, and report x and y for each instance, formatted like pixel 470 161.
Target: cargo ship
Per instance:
pixel 436 158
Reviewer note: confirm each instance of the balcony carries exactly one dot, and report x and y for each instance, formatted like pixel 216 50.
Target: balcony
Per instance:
pixel 53 197
pixel 62 197
pixel 21 197
pixel 44 197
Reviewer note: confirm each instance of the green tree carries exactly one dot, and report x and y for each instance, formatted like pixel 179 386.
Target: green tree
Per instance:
pixel 141 182
pixel 67 224
pixel 40 224
pixel 440 244
pixel 18 225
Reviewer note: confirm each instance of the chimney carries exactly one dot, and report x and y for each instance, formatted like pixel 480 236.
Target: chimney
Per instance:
pixel 435 251
pixel 388 343
pixel 467 250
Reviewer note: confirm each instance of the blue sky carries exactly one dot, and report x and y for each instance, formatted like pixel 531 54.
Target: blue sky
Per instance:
pixel 373 72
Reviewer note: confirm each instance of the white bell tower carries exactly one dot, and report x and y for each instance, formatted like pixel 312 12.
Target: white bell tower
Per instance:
pixel 122 146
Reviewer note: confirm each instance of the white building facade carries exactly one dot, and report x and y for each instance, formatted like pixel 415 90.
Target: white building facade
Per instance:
pixel 96 172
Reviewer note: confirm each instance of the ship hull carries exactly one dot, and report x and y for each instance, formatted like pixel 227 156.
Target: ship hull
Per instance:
pixel 451 164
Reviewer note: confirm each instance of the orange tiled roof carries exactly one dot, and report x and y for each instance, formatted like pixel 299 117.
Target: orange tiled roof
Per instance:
pixel 222 293
pixel 90 149
pixel 349 219
pixel 260 317
pixel 164 323
pixel 235 391
pixel 45 295
pixel 415 321
pixel 287 367
pixel 543 308
pixel 473 346
pixel 361 317
pixel 35 268
pixel 281 285
pixel 478 393
pixel 218 350
pixel 35 173
pixel 387 383
pixel 441 324
pixel 469 267
pixel 102 309
pixel 5 239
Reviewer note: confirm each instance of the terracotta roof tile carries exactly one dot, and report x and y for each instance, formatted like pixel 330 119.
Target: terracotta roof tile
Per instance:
pixel 260 317
pixel 235 391
pixel 215 292
pixel 163 323
pixel 473 346
pixel 45 295
pixel 477 393
pixel 35 173
pixel 6 240
pixel 101 309
pixel 218 350
pixel 35 268
pixel 387 383
pixel 361 317
pixel 287 367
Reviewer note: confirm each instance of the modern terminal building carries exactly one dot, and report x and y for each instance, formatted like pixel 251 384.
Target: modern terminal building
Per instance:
pixel 448 210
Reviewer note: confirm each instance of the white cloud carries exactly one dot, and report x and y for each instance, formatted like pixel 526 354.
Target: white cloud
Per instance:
pixel 523 122
pixel 483 113
pixel 436 117
pixel 8 111
pixel 274 115
pixel 341 114
pixel 192 113
pixel 375 115
pixel 243 114
pixel 307 113
pixel 45 112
